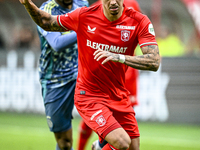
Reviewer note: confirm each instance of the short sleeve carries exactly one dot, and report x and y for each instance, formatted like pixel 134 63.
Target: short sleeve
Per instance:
pixel 69 21
pixel 146 33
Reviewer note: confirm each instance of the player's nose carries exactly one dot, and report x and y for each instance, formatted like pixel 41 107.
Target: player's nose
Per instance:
pixel 112 2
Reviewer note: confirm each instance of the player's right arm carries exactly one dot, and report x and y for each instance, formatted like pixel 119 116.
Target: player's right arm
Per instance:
pixel 43 19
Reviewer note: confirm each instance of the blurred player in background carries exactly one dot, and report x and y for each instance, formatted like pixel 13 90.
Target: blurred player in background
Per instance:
pixel 131 79
pixel 58 72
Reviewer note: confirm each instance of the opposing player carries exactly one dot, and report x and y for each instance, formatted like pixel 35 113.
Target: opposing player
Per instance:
pixel 131 78
pixel 58 73
pixel 107 36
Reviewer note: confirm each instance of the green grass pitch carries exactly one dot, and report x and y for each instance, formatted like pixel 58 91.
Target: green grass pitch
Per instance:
pixel 30 132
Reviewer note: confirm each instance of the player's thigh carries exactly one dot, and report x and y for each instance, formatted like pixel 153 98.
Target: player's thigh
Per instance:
pixel 59 103
pixel 118 138
pixel 128 122
pixel 98 117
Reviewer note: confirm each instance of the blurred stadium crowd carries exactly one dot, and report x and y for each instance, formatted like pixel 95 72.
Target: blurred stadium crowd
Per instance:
pixel 176 23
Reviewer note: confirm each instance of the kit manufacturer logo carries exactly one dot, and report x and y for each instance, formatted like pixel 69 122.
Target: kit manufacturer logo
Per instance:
pixel 91 30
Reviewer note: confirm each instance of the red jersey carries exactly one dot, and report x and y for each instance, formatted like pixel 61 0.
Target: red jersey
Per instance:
pixel 95 31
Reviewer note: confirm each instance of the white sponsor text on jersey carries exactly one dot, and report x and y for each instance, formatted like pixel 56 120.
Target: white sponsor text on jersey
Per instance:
pixel 105 47
pixel 125 27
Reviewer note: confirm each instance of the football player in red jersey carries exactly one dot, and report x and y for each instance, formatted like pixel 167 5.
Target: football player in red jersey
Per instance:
pixel 130 83
pixel 107 36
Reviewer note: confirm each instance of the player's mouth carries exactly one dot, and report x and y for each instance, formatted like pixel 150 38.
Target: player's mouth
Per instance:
pixel 114 8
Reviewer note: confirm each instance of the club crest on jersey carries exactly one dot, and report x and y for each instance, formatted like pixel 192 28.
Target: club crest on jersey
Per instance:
pixel 125 35
pixel 101 120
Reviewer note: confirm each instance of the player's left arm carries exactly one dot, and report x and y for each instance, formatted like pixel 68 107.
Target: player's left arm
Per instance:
pixel 150 60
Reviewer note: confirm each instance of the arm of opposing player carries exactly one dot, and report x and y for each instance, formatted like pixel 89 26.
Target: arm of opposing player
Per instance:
pixel 60 42
pixel 150 60
pixel 43 19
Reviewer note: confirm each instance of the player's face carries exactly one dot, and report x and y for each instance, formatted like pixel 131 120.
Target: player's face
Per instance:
pixel 113 7
pixel 67 2
pixel 64 3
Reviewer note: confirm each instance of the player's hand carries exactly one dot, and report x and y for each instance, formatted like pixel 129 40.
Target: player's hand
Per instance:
pixel 24 1
pixel 99 54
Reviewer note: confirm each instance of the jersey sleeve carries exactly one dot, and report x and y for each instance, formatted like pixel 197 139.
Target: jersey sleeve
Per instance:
pixel 146 35
pixel 69 21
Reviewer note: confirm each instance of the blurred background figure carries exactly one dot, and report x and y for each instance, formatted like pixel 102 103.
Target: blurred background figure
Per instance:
pixel 2 41
pixel 131 83
pixel 24 38
pixel 193 45
pixel 170 45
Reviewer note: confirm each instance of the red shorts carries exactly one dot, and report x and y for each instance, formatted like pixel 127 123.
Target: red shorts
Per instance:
pixel 102 117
